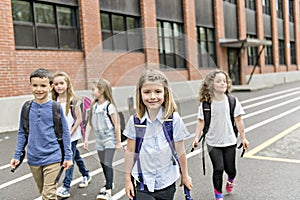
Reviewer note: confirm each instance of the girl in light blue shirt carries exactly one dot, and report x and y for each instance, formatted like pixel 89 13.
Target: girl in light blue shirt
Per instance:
pixel 155 104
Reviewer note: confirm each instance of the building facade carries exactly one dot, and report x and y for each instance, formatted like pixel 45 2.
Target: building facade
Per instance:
pixel 117 39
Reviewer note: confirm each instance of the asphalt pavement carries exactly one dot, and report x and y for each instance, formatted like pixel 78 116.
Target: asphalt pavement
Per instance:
pixel 270 169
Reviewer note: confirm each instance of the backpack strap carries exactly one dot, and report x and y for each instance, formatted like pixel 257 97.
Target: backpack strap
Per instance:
pixel 168 131
pixel 207 116
pixel 25 121
pixel 58 127
pixel 108 115
pixel 232 103
pixel 140 129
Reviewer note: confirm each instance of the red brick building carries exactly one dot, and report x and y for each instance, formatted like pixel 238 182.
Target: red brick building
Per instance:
pixel 117 39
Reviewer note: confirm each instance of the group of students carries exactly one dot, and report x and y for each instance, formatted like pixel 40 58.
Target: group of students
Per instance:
pixel 151 171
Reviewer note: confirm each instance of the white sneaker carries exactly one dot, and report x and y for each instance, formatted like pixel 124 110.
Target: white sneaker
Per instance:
pixel 103 189
pixel 63 192
pixel 85 181
pixel 104 196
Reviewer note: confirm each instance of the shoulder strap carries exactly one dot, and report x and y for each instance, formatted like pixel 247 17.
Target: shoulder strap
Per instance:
pixel 232 103
pixel 140 129
pixel 25 117
pixel 168 131
pixel 25 121
pixel 58 126
pixel 207 114
pixel 108 115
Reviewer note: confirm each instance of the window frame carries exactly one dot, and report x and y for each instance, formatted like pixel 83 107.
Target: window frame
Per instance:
pixel 252 53
pixel 281 52
pixel 293 52
pixel 268 51
pixel 175 58
pixel 250 4
pixel 207 42
pixel 118 34
pixel 266 7
pixel 279 8
pixel 35 41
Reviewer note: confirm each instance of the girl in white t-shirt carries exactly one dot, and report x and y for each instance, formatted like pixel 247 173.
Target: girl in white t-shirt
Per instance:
pixel 220 138
pixel 63 93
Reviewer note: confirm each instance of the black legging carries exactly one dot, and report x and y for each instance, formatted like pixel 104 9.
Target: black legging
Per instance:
pixel 106 159
pixel 222 158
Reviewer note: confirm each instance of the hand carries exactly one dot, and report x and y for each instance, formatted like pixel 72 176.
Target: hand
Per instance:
pixel 67 164
pixel 129 190
pixel 14 163
pixel 187 181
pixel 119 146
pixel 245 143
pixel 195 142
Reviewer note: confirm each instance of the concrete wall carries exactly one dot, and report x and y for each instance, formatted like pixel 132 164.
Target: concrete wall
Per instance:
pixel 11 106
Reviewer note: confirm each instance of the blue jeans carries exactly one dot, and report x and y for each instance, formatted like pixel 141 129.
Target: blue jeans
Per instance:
pixel 80 163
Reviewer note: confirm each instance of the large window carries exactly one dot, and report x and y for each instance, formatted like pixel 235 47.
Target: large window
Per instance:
pixel 279 8
pixel 293 52
pixel 291 10
pixel 231 1
pixel 121 32
pixel 268 54
pixel 281 52
pixel 171 44
pixel 207 49
pixel 252 53
pixel 45 26
pixel 266 7
pixel 250 4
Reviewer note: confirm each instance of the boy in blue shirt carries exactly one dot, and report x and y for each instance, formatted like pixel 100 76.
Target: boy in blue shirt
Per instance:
pixel 43 150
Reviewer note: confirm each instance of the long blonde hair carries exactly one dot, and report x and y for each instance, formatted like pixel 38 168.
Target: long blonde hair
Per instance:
pixel 106 86
pixel 206 91
pixel 70 90
pixel 154 75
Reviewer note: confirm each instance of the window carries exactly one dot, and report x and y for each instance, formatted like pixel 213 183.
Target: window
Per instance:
pixel 121 32
pixel 291 10
pixel 266 7
pixel 231 1
pixel 252 53
pixel 281 52
pixel 45 26
pixel 293 52
pixel 206 48
pixel 171 44
pixel 250 4
pixel 268 54
pixel 279 8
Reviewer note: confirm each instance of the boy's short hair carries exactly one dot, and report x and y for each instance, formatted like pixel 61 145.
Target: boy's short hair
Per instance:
pixel 42 73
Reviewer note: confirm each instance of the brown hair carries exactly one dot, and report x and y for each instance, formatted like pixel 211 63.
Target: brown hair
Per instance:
pixel 70 90
pixel 206 90
pixel 154 75
pixel 106 86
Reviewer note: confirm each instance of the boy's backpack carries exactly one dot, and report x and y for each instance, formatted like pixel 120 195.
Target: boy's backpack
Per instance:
pixel 207 116
pixel 168 132
pixel 57 127
pixel 85 107
pixel 122 122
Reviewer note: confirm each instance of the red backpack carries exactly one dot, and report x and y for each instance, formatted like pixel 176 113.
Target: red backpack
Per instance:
pixel 85 107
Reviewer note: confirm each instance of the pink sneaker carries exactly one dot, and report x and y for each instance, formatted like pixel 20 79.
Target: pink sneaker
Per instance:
pixel 229 186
